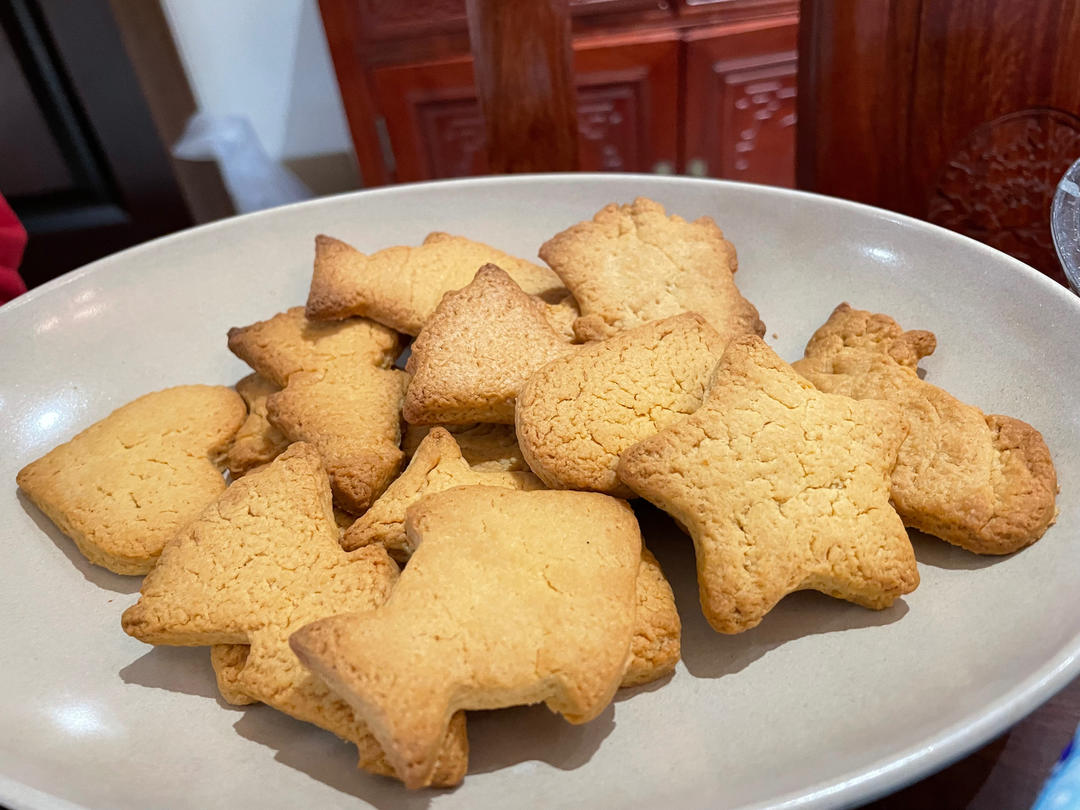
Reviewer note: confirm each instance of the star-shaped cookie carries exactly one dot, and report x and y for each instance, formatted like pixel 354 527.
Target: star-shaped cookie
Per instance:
pixel 339 393
pixel 401 286
pixel 631 264
pixel 259 563
pixel 476 351
pixel 511 598
pixel 125 485
pixel 983 482
pixel 782 488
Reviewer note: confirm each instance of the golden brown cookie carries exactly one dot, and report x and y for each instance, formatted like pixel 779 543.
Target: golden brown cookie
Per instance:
pixel 486 447
pixel 656 645
pixel 579 413
pixel 782 488
pixel 631 264
pixel 289 343
pixel 401 286
pixel 339 393
pixel 437 465
pixel 257 442
pixel 983 482
pixel 536 600
pixel 126 484
pixel 228 662
pixel 476 351
pixel 260 562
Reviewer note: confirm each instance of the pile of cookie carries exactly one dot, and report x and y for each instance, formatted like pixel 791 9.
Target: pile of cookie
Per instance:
pixel 399 546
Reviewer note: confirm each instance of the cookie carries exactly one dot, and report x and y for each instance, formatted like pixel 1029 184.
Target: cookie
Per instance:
pixel 782 488
pixel 339 393
pixel 656 645
pixel 982 482
pixel 260 562
pixel 257 442
pixel 486 447
pixel 228 662
pixel 579 413
pixel 437 465
pixel 476 351
pixel 401 286
pixel 631 264
pixel 535 596
pixel 125 485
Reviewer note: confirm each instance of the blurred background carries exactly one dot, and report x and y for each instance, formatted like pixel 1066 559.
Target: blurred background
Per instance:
pixel 962 113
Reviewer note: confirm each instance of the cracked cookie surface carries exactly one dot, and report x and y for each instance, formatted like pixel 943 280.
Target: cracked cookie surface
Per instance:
pixel 257 442
pixel 782 488
pixel 437 466
pixel 260 562
pixel 982 482
pixel 401 286
pixel 631 264
pixel 124 486
pixel 547 615
pixel 485 447
pixel 476 351
pixel 338 392
pixel 579 413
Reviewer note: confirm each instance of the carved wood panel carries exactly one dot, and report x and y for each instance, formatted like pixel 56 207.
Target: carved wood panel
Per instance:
pixel 388 19
pixel 965 114
pixel 627 111
pixel 741 93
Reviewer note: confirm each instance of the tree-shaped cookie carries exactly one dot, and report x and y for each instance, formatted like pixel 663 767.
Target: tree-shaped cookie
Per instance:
pixel 125 485
pixel 339 393
pixel 401 286
pixel 579 413
pixel 259 563
pixel 631 264
pixel 511 598
pixel 782 488
pixel 983 482
pixel 476 351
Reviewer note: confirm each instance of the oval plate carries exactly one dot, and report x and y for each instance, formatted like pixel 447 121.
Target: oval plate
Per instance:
pixel 823 704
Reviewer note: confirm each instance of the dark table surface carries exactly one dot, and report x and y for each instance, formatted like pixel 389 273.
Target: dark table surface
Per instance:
pixel 1004 774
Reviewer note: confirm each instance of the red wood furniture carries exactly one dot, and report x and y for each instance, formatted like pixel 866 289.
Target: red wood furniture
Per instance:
pixel 964 113
pixel 704 87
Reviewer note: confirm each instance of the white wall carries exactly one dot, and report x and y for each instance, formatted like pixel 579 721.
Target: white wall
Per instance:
pixel 267 60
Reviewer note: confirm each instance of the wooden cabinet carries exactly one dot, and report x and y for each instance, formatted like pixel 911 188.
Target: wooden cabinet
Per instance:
pixel 740 102
pixel 964 114
pixel 628 94
pixel 700 86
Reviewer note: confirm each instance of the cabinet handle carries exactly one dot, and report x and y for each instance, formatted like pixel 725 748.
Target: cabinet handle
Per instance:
pixel 663 167
pixel 697 167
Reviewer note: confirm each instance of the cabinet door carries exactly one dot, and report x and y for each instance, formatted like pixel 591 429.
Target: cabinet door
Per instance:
pixel 740 101
pixel 628 102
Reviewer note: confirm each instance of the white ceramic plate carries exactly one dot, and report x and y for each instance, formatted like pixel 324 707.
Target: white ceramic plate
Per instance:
pixel 824 704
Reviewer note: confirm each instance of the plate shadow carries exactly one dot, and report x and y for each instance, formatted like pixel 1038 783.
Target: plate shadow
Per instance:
pixel 327 759
pixel 103 578
pixel 940 554
pixel 176 669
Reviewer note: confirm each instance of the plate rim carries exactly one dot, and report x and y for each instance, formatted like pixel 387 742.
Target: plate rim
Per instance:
pixel 861 785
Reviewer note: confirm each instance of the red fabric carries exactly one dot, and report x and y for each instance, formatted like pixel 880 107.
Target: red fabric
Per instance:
pixel 12 244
